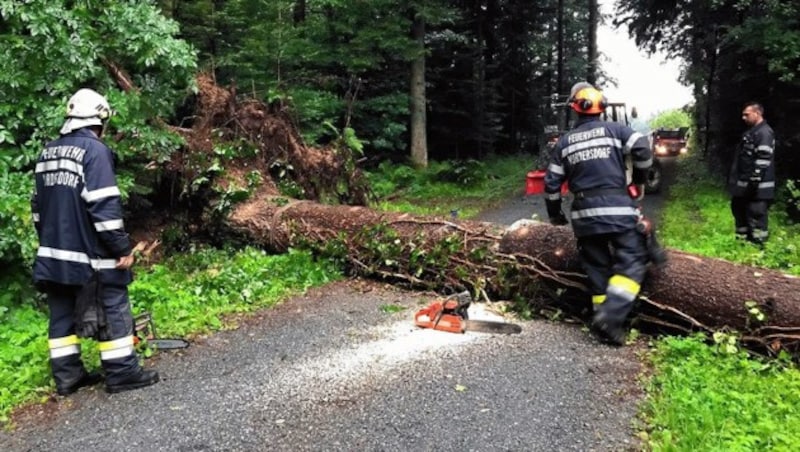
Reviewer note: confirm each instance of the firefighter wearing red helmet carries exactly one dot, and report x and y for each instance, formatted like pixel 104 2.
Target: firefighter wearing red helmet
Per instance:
pixel 592 159
pixel 84 254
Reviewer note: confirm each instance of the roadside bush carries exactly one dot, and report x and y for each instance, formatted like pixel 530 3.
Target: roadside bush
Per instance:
pixel 17 237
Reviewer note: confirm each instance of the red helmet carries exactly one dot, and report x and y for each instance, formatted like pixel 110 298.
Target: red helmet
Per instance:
pixel 589 101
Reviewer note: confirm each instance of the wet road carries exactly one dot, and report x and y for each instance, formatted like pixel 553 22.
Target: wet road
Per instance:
pixel 533 206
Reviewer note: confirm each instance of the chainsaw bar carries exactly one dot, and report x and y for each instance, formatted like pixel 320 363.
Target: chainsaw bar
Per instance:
pixel 167 344
pixel 488 326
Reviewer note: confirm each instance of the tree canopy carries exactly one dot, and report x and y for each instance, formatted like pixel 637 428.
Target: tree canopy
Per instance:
pixel 339 70
pixel 735 51
pixel 50 48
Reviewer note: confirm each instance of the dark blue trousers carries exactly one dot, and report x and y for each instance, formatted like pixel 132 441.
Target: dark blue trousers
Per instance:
pixel 117 355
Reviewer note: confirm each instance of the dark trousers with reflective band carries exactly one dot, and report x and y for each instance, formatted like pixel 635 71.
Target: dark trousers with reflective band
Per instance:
pixel 751 218
pixel 616 265
pixel 116 353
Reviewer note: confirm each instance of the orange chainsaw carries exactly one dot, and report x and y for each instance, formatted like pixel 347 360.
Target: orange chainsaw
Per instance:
pixel 450 314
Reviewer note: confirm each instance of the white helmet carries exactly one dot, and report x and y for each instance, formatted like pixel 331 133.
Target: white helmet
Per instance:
pixel 85 108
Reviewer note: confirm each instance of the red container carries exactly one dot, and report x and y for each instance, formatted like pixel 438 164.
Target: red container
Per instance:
pixel 534 183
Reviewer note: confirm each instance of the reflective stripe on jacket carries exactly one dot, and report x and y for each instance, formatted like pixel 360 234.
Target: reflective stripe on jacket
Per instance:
pixel 78 213
pixel 592 157
pixel 753 171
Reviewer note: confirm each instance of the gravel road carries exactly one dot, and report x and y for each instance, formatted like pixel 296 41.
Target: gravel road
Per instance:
pixel 331 371
pixel 334 370
pixel 533 207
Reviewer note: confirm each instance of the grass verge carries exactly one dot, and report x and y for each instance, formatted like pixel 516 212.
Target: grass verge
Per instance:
pixel 698 219
pixel 705 393
pixel 710 398
pixel 188 294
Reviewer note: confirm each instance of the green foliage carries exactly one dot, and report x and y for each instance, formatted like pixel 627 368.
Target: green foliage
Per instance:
pixel 391 308
pixel 740 50
pixel 793 200
pixel 698 220
pixel 187 294
pixel 465 187
pixel 66 46
pixel 671 119
pixel 707 393
pixel 383 119
pixel 348 63
pixel 190 294
pixel 705 398
pixel 50 48
pixel 17 239
pixel 331 61
pixel 315 108
pixel 24 365
pixel 774 35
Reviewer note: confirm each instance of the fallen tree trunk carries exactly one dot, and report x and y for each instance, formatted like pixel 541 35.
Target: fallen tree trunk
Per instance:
pixel 698 293
pixel 534 262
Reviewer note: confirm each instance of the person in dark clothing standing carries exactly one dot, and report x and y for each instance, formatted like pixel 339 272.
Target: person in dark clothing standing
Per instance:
pixel 592 159
pixel 752 178
pixel 82 243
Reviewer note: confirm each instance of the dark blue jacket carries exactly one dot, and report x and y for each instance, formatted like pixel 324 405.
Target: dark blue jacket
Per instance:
pixel 753 172
pixel 77 212
pixel 592 159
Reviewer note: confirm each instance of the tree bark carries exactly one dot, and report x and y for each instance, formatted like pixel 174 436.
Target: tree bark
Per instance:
pixel 299 12
pixel 691 293
pixel 419 136
pixel 560 88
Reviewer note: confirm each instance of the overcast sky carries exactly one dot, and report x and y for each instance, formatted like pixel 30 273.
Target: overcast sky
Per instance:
pixel 648 83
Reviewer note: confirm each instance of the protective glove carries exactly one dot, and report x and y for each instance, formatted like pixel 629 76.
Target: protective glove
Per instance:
pixel 752 183
pixel 89 315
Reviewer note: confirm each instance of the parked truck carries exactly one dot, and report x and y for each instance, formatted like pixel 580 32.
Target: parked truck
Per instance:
pixel 670 142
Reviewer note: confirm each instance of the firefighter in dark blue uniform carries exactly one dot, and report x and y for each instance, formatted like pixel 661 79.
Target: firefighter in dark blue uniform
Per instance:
pixel 78 217
pixel 752 178
pixel 592 159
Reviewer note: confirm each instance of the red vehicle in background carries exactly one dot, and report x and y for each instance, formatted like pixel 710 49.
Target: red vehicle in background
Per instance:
pixel 556 115
pixel 670 142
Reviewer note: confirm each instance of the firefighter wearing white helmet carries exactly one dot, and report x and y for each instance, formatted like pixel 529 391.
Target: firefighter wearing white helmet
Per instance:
pixel 591 158
pixel 86 108
pixel 84 254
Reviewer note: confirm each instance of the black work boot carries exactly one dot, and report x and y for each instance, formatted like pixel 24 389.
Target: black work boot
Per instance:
pixel 88 379
pixel 140 380
pixel 607 331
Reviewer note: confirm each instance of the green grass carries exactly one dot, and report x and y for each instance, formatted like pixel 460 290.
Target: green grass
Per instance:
pixel 705 399
pixel 187 294
pixel 446 187
pixel 698 220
